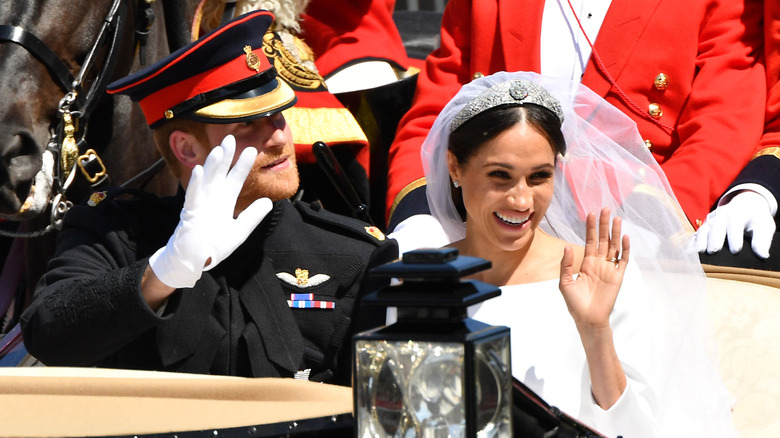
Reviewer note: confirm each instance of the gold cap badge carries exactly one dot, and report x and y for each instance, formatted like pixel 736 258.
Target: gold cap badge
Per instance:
pixel 252 61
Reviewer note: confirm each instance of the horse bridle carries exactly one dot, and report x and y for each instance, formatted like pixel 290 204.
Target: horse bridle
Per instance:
pixel 67 138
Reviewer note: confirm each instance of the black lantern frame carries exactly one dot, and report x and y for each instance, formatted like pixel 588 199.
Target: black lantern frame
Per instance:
pixel 432 302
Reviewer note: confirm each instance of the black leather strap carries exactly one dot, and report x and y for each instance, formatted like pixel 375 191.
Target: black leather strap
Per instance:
pixel 41 51
pixel 110 35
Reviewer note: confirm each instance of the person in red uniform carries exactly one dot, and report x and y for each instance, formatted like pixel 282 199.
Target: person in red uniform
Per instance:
pixel 356 43
pixel 686 72
pixel 330 48
pixel 749 207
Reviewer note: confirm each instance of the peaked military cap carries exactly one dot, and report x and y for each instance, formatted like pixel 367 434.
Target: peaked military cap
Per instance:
pixel 223 77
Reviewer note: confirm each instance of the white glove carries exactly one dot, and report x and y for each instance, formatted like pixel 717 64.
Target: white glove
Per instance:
pixel 746 211
pixel 207 229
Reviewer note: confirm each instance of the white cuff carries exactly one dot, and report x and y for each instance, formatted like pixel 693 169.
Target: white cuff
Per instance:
pixel 361 76
pixel 627 417
pixel 761 190
pixel 419 231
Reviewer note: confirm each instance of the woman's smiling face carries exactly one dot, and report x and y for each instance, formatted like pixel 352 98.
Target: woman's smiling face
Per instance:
pixel 506 186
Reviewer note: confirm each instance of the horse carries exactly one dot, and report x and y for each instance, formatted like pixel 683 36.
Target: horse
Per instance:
pixel 61 135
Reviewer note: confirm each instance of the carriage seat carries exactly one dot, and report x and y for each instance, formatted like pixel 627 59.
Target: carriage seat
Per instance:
pixel 745 316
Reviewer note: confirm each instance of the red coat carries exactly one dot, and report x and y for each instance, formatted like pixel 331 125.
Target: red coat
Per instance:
pixel 342 32
pixel 714 103
pixel 764 168
pixel 336 33
pixel 771 136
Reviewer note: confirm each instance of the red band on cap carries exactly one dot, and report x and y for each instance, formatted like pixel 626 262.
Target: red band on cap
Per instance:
pixel 155 104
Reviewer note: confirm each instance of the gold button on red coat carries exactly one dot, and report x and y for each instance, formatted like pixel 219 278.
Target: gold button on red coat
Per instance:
pixel 649 145
pixel 661 82
pixel 655 111
pixel 477 75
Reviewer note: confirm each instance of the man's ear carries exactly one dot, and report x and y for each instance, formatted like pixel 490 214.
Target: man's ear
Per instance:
pixel 185 148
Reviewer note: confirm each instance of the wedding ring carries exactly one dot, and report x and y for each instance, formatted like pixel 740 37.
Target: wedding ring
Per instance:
pixel 613 260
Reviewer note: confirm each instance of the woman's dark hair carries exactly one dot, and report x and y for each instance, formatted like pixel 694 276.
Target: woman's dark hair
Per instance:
pixel 472 135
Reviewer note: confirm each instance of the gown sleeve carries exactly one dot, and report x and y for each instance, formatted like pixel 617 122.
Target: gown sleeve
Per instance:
pixel 634 413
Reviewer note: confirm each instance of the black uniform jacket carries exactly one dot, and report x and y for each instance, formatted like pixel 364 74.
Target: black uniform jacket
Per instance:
pixel 236 320
pixel 764 171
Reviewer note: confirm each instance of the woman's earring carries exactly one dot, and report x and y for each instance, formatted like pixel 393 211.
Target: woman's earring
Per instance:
pixel 456 184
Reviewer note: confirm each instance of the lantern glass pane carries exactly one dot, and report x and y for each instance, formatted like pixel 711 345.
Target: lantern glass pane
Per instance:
pixel 493 387
pixel 410 389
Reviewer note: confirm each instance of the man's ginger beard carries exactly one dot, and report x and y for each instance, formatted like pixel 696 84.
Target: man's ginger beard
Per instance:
pixel 274 185
pixel 259 183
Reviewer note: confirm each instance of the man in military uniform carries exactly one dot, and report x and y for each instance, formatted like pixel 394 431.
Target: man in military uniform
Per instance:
pixel 230 277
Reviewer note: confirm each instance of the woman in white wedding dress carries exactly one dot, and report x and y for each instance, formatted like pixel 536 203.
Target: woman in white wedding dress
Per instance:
pixel 527 172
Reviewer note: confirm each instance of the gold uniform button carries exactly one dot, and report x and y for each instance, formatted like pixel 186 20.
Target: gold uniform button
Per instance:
pixel 649 145
pixel 477 75
pixel 655 111
pixel 661 82
pixel 699 222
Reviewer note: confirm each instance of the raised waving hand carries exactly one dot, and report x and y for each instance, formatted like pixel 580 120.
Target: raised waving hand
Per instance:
pixel 590 298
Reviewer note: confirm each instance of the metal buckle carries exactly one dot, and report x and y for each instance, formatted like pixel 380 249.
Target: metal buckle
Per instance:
pixel 86 158
pixel 60 206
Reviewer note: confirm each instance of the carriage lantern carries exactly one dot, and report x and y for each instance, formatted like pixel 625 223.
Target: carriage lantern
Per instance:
pixel 435 372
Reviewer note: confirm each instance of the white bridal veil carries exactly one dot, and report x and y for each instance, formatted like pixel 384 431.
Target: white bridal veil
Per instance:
pixel 608 165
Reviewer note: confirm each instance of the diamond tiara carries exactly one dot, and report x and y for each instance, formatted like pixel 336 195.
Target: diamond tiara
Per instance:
pixel 515 92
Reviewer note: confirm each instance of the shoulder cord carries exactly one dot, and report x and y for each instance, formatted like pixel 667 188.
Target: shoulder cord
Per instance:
pixel 603 69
